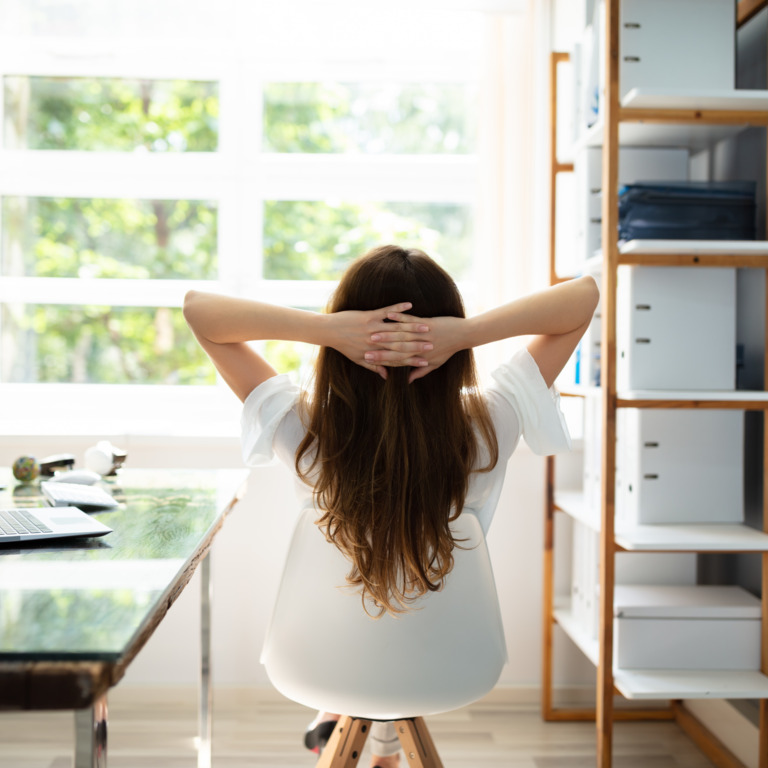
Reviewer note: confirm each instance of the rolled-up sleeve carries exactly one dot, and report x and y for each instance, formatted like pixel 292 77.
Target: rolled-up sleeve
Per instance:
pixel 542 423
pixel 263 411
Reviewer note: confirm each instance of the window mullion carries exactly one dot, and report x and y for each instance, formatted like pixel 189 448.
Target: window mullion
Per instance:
pixel 429 178
pixel 106 292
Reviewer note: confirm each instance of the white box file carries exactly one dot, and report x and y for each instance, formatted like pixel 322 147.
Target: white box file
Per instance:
pixel 679 44
pixel 588 355
pixel 593 447
pixel 585 561
pixel 690 628
pixel 679 466
pixel 686 44
pixel 676 328
pixel 636 164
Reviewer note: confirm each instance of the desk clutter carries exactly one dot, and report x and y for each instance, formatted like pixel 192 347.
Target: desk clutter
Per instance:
pixel 101 460
pixel 69 493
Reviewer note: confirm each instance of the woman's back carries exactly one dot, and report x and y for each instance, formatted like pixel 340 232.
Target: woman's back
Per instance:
pixel 391 458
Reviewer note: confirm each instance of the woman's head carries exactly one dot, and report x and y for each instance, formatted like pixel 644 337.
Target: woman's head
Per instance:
pixel 390 461
pixel 390 274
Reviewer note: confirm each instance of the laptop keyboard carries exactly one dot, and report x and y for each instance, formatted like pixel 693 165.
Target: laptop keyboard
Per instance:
pixel 16 521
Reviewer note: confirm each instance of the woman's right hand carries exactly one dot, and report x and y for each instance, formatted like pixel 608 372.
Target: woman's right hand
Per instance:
pixel 352 331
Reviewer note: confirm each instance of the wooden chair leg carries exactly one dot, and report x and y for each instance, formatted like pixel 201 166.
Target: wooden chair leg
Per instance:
pixel 420 751
pixel 346 744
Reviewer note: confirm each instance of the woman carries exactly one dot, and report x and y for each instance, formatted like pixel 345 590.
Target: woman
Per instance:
pixel 396 438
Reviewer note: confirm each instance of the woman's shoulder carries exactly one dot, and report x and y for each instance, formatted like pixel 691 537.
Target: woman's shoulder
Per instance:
pixel 273 402
pixel 518 385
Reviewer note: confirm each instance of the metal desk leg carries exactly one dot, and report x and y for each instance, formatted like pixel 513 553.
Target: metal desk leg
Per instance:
pixel 91 735
pixel 206 693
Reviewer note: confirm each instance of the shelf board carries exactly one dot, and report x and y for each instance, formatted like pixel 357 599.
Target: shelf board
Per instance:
pixel 577 390
pixel 723 100
pixel 738 399
pixel 703 537
pixel 649 684
pixel 641 684
pixel 693 137
pixel 663 537
pixel 573 504
pixel 673 118
pixel 714 253
pixel 696 247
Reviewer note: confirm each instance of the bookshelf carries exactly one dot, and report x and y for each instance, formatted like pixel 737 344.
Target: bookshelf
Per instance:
pixel 694 119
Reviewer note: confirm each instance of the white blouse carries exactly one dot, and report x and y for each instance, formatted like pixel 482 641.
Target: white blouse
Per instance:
pixel 518 400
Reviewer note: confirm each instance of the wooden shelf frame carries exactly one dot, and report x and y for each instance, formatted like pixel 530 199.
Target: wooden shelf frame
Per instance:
pixel 605 713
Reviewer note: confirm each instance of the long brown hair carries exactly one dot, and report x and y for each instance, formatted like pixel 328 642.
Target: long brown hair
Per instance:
pixel 390 461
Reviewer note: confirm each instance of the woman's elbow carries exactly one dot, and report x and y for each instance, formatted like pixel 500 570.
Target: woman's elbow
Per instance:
pixel 188 309
pixel 592 293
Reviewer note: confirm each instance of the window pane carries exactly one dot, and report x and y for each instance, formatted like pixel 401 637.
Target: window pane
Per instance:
pixel 310 240
pixel 98 238
pixel 100 114
pixel 106 345
pixel 291 357
pixel 368 117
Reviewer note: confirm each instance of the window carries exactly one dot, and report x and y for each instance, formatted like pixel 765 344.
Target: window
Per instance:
pixel 249 149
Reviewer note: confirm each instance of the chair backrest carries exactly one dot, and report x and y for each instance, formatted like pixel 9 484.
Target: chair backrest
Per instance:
pixel 322 650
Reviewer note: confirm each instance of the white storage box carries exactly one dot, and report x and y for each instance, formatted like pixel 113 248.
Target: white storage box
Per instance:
pixel 679 466
pixel 636 164
pixel 686 44
pixel 676 328
pixel 631 568
pixel 701 627
pixel 679 44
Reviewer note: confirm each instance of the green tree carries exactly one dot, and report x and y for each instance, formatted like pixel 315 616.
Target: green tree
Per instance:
pixel 373 118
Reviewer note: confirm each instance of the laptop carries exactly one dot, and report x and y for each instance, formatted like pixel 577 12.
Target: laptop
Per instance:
pixel 40 523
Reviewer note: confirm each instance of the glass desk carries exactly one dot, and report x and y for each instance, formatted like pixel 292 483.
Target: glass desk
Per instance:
pixel 74 613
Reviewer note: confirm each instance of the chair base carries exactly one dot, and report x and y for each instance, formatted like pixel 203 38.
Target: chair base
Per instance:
pixel 346 744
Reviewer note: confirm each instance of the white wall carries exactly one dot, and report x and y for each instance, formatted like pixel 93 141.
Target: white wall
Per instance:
pixel 248 554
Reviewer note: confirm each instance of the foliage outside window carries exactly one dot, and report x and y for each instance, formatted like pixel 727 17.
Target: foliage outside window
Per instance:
pixel 96 114
pixel 133 239
pixel 372 118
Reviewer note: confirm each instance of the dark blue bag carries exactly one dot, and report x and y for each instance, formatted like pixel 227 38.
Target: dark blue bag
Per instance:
pixel 708 210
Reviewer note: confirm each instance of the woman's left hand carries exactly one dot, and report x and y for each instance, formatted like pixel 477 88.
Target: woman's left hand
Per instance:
pixel 352 331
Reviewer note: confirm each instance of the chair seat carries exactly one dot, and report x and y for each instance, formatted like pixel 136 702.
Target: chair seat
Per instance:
pixel 324 651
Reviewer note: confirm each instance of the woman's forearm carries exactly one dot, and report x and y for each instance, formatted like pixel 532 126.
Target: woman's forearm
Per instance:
pixel 227 320
pixel 222 321
pixel 553 312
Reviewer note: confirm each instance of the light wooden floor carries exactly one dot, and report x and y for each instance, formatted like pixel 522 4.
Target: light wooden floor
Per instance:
pixel 155 728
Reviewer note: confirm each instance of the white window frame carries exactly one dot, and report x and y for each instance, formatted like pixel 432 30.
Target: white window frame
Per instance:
pixel 240 177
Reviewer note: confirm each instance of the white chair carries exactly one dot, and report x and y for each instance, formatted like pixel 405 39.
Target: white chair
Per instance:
pixel 322 650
